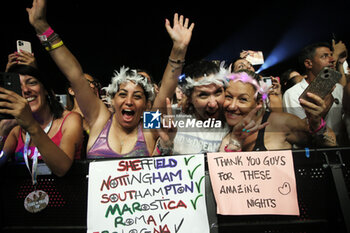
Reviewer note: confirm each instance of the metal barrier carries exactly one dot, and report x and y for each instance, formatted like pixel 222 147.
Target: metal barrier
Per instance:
pixel 323 184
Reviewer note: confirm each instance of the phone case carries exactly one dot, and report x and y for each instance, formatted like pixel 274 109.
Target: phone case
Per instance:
pixel 10 81
pixel 24 45
pixel 322 84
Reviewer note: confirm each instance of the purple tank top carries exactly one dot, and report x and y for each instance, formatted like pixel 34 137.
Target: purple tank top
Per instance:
pixel 101 149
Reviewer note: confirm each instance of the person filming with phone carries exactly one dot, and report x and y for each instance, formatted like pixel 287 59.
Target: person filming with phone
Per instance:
pixel 313 59
pixel 45 132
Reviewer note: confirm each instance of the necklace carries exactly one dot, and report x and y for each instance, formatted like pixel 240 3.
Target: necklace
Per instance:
pixel 35 154
pixel 37 200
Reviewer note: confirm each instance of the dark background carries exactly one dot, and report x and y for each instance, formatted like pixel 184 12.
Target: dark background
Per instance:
pixel 105 35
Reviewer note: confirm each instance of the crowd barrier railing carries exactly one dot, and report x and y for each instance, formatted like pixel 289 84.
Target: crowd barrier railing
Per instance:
pixel 323 184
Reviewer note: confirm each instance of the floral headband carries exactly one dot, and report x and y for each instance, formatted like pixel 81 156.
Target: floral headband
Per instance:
pixel 246 78
pixel 124 76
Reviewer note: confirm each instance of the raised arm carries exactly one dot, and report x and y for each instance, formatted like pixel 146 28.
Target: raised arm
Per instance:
pixel 180 33
pixel 92 107
pixel 340 55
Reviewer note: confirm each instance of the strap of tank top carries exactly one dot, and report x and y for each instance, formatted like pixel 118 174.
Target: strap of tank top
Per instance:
pixel 260 138
pixel 105 130
pixel 64 120
pixel 140 136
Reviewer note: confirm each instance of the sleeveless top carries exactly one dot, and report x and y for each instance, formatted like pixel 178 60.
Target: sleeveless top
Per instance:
pixel 101 149
pixel 56 139
pixel 259 143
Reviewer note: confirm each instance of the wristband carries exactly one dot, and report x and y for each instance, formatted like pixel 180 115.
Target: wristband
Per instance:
pixel 158 151
pixel 43 37
pixel 234 144
pixel 322 125
pixel 164 150
pixel 54 46
pixel 228 150
pixel 48 32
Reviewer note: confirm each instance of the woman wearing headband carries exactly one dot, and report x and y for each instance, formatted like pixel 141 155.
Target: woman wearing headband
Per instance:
pixel 203 84
pixel 254 129
pixel 119 134
pixel 46 131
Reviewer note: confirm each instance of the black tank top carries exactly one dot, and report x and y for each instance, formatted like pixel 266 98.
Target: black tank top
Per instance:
pixel 259 143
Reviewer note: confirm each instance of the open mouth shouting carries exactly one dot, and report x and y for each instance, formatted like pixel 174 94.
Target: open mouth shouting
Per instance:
pixel 128 115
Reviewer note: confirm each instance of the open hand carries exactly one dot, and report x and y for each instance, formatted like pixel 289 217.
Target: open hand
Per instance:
pixel 37 16
pixel 181 32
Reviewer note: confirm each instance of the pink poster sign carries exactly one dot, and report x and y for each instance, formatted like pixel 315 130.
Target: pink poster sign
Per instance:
pixel 254 183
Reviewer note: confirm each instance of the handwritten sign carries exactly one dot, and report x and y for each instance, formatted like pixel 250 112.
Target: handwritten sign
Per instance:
pixel 246 183
pixel 148 195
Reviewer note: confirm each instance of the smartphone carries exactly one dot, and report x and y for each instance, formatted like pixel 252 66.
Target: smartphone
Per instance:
pixel 62 98
pixel 322 84
pixel 345 66
pixel 267 80
pixel 10 81
pixel 255 57
pixel 24 45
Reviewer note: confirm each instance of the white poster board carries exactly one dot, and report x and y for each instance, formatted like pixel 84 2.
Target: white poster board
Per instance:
pixel 158 194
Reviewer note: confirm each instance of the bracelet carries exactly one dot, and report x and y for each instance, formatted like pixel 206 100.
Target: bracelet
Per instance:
pixel 176 62
pixel 228 150
pixel 52 38
pixel 322 126
pixel 54 46
pixel 233 143
pixel 43 37
pixel 48 32
pixel 164 150
pixel 47 42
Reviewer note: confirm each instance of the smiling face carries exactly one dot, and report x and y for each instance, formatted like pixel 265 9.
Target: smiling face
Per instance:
pixel 207 101
pixel 129 104
pixel 239 101
pixel 34 92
